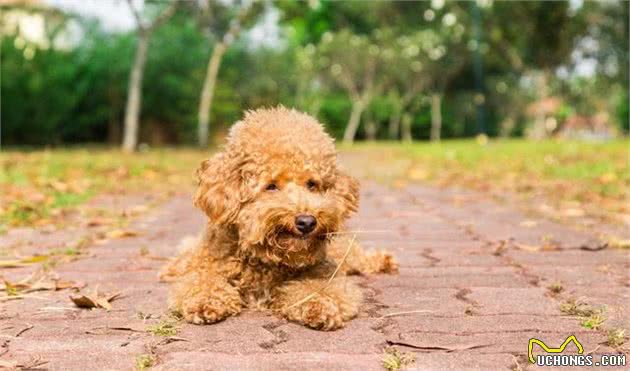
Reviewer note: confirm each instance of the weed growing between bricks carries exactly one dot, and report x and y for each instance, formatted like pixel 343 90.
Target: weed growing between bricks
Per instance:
pixel 394 359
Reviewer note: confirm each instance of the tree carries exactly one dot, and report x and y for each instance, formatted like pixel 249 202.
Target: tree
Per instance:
pixel 216 12
pixel 444 45
pixel 517 46
pixel 354 63
pixel 134 91
pixel 407 79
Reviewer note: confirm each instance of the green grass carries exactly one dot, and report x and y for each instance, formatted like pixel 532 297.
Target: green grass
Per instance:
pixel 593 322
pixel 394 359
pixel 166 327
pixel 69 199
pixel 548 159
pixel 38 185
pixel 616 337
pixel 592 175
pixel 145 361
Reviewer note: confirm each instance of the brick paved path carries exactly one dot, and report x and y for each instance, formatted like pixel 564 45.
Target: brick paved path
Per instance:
pixel 472 275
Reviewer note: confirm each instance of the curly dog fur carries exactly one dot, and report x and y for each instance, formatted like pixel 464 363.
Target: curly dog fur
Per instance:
pixel 278 164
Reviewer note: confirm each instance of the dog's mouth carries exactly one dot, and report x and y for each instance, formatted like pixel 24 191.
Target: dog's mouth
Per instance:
pixel 290 234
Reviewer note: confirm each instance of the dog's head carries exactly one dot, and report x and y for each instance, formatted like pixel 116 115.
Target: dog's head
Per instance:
pixel 278 185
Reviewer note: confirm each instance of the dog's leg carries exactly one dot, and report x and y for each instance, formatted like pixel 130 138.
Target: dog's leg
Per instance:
pixel 359 261
pixel 203 297
pixel 327 309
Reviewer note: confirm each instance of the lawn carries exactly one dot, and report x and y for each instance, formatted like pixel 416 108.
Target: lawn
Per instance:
pixel 574 178
pixel 40 186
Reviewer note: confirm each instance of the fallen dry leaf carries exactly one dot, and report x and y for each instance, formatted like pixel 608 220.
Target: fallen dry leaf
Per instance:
pixel 619 243
pixel 39 281
pixel 417 174
pixel 594 246
pixel 58 186
pixel 528 223
pixel 121 233
pixel 529 248
pixel 573 212
pixel 32 363
pixel 96 222
pixel 96 300
pixel 9 364
pixel 17 263
pixel 138 209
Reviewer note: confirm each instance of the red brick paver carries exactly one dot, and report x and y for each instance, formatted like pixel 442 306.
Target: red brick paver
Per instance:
pixel 472 290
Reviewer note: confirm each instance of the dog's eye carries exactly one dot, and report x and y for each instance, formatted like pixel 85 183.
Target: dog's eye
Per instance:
pixel 271 187
pixel 312 185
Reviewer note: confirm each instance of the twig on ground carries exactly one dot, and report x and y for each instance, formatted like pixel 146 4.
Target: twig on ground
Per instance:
pixel 313 294
pixel 28 327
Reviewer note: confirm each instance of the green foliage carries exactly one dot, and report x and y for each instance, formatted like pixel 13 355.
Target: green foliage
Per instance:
pixel 54 95
pixel 623 112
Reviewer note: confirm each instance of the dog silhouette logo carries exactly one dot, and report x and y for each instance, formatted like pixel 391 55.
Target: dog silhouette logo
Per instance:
pixel 547 349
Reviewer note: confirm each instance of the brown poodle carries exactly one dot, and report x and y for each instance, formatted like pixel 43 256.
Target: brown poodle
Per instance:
pixel 276 203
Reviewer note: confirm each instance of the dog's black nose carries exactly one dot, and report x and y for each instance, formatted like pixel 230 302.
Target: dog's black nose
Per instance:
pixel 305 223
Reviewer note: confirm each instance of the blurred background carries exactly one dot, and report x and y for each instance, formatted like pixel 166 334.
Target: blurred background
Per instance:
pixel 162 72
pixel 511 98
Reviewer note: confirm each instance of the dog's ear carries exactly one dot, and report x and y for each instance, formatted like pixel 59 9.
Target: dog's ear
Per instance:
pixel 218 193
pixel 346 189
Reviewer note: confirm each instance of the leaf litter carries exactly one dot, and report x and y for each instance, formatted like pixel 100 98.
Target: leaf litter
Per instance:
pixel 94 300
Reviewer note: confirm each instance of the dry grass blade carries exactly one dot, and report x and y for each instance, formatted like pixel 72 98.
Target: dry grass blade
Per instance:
pixel 405 313
pixel 332 277
pixel 55 309
pixel 105 330
pixel 18 297
pixel 446 348
pixel 360 231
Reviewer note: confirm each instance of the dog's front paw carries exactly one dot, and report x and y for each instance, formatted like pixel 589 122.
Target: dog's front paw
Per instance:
pixel 321 313
pixel 203 309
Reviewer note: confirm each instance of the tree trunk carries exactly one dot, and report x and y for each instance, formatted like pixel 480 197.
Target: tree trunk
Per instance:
pixel 406 128
pixel 370 127
pixel 540 130
pixel 394 124
pixel 134 94
pixel 507 126
pixel 207 92
pixel 113 131
pixel 354 121
pixel 436 116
